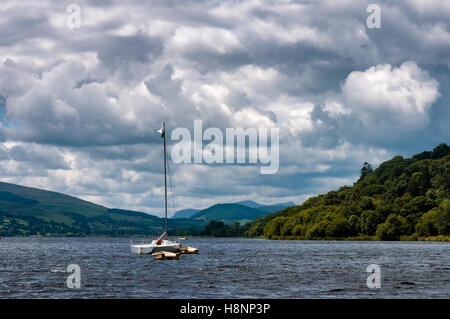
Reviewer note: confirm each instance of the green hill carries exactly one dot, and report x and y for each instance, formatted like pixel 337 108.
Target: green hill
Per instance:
pixel 184 213
pixel 276 207
pixel 28 211
pixel 402 198
pixel 228 213
pixel 267 208
pixel 189 212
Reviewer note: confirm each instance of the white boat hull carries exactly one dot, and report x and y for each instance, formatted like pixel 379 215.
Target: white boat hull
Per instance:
pixel 166 245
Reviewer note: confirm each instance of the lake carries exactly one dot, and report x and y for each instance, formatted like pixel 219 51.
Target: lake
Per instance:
pixel 224 268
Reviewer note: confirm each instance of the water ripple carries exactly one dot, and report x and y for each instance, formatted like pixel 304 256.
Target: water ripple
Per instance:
pixel 225 268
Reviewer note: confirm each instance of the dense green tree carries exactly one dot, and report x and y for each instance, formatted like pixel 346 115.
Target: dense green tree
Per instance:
pixel 338 227
pixel 355 224
pixel 366 203
pixel 220 229
pixel 366 169
pixel 214 228
pixel 418 184
pixel 392 229
pixel 440 151
pixel 287 228
pixel 299 230
pixel 273 228
pixel 443 218
pixel 369 221
pixel 317 231
pixel 426 226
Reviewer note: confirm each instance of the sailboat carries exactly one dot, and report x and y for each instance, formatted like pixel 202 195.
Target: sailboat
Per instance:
pixel 162 243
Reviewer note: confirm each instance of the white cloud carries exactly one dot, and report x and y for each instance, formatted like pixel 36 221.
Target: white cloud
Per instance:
pixel 214 39
pixel 430 7
pixel 391 96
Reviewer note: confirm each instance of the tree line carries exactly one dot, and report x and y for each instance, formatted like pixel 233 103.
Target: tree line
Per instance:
pixel 402 198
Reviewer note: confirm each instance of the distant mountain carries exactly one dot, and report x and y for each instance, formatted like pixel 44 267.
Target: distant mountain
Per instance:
pixel 184 213
pixel 229 213
pixel 286 204
pixel 31 211
pixel 267 208
pixel 262 210
pixel 249 203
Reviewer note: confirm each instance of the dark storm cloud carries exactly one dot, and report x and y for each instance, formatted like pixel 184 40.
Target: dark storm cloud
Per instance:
pixel 326 130
pixel 207 61
pixel 117 51
pixel 2 102
pixel 119 152
pixel 20 24
pixel 35 156
pixel 43 157
pixel 163 85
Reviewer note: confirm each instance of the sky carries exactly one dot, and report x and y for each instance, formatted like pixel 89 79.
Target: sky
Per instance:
pixel 80 106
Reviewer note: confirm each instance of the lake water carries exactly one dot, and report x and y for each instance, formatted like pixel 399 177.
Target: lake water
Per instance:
pixel 224 268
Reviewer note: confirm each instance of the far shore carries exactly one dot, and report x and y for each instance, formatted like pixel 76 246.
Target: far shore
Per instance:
pixel 439 238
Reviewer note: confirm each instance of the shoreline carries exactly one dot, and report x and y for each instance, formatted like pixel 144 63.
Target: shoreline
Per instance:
pixel 438 238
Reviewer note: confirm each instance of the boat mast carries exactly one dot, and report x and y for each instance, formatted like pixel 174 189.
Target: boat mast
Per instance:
pixel 165 179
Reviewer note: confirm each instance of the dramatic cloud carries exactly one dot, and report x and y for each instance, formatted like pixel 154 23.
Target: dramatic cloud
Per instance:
pixel 79 108
pixel 395 97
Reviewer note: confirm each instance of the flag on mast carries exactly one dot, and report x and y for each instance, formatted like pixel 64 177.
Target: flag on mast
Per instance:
pixel 162 132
